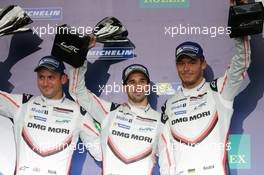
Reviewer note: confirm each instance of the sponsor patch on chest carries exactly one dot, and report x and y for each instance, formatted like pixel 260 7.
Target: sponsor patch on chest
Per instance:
pixel 191 118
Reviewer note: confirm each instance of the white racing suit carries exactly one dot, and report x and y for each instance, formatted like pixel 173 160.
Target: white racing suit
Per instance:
pixel 130 136
pixel 7 147
pixel 199 119
pixel 46 132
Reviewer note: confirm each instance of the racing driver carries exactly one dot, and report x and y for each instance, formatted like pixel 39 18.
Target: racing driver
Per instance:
pixel 200 112
pixel 132 133
pixel 47 127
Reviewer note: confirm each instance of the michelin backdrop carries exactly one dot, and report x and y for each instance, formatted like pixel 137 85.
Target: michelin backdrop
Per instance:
pixel 155 28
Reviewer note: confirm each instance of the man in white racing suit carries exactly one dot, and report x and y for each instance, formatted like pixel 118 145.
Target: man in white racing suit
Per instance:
pixel 200 112
pixel 47 127
pixel 131 134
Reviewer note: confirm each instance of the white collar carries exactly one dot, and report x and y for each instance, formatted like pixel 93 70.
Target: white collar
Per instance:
pixel 49 101
pixel 194 91
pixel 139 108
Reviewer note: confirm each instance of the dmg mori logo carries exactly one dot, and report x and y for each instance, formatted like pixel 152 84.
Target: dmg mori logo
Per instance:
pixel 70 47
pixel 164 3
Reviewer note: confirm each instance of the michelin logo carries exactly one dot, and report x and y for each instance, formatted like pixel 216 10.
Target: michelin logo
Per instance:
pixel 111 53
pixel 49 13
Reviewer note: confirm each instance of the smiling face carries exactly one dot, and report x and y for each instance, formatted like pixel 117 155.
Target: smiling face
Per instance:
pixel 190 71
pixel 137 86
pixel 50 83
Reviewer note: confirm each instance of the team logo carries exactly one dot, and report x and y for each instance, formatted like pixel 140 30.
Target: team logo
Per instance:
pixel 145 129
pixel 179 106
pixel 40 111
pixel 122 118
pixel 62 121
pixel 120 125
pixel 180 112
pixel 43 119
pixel 200 105
pixel 68 48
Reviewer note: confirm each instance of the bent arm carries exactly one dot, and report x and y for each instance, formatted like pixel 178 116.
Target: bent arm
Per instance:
pixel 229 85
pixel 9 104
pixel 95 106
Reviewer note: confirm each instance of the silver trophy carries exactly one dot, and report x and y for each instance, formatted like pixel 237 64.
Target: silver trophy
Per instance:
pixel 13 19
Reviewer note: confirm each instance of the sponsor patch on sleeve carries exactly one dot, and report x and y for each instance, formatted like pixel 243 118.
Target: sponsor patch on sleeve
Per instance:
pixel 213 85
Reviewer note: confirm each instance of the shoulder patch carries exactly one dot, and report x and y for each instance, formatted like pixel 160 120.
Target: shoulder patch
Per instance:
pixel 82 111
pixel 213 85
pixel 26 98
pixel 114 106
pixel 164 116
